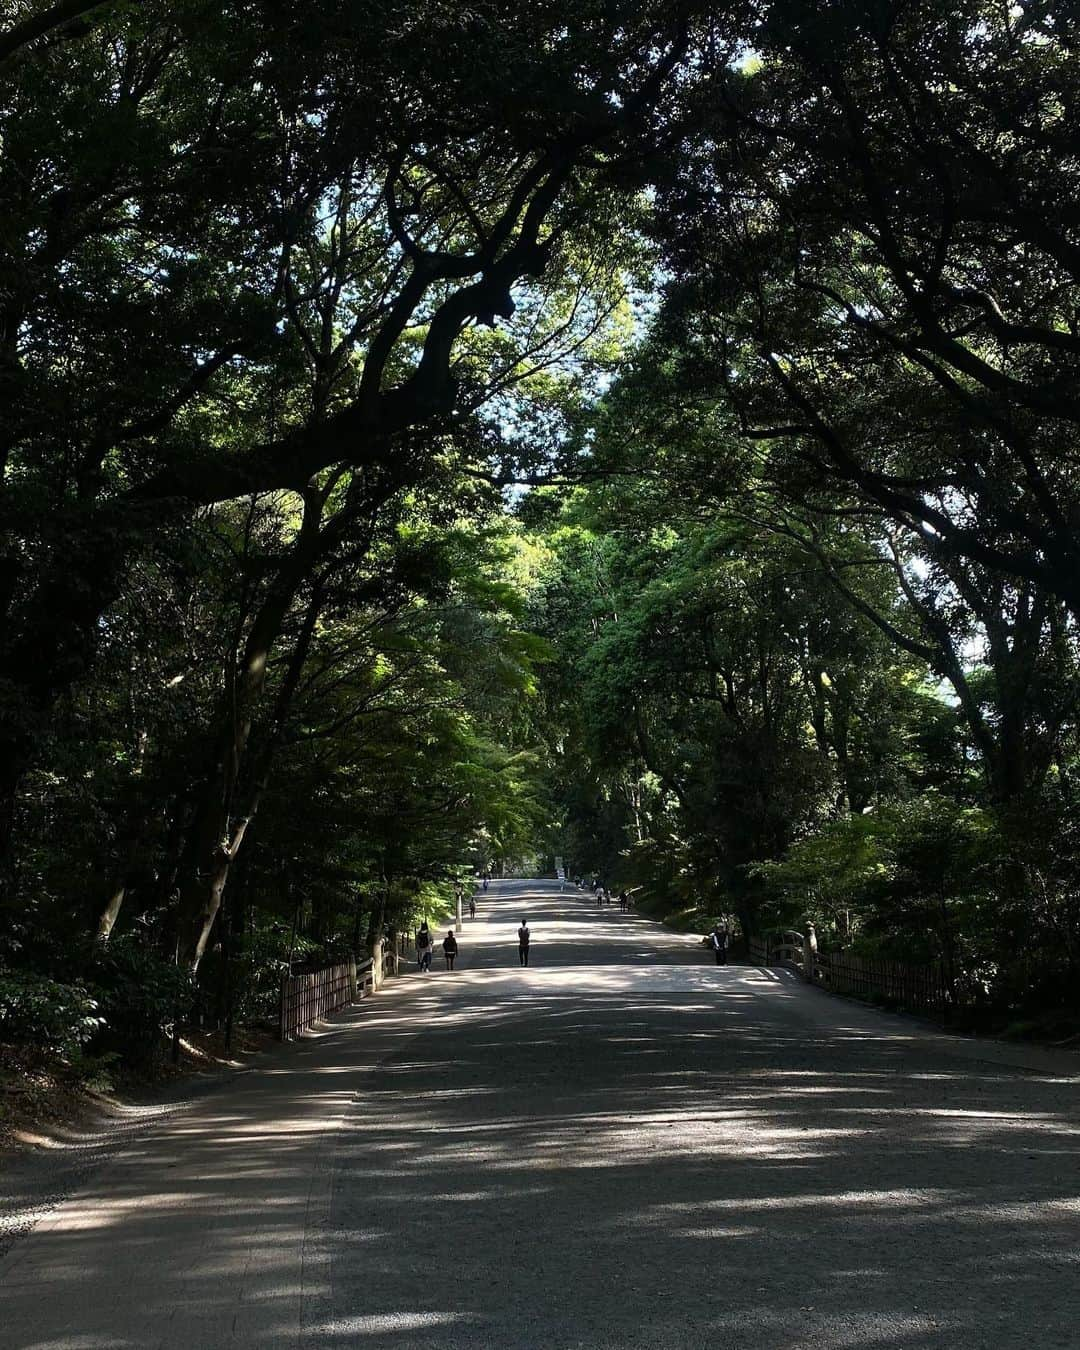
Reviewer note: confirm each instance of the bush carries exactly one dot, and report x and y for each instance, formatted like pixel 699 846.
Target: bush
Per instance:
pixel 56 1018
pixel 118 1009
pixel 139 995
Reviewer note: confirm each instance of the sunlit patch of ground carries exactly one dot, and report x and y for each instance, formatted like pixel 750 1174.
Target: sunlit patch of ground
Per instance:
pixel 621 1146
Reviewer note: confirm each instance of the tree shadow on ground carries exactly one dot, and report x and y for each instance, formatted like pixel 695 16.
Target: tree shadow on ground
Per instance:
pixel 632 1169
pixel 632 1156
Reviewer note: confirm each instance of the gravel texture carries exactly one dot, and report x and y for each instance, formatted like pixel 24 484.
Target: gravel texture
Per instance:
pixel 34 1179
pixel 622 1146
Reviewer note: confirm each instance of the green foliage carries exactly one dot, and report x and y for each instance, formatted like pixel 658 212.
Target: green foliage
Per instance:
pixel 293 298
pixel 139 996
pixel 47 1015
pixel 906 879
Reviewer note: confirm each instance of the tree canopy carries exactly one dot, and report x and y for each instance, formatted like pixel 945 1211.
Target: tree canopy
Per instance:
pixel 436 438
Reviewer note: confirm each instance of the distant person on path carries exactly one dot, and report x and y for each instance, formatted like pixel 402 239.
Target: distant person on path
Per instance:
pixel 718 941
pixel 449 946
pixel 624 901
pixel 523 944
pixel 472 909
pixel 423 948
pixel 485 883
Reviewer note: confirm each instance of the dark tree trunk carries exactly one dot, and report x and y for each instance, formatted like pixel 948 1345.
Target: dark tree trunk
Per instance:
pixel 220 829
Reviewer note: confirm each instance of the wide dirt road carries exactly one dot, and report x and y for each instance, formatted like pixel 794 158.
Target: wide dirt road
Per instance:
pixel 621 1146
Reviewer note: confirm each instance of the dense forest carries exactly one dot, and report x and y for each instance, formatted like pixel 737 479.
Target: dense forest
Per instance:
pixel 438 437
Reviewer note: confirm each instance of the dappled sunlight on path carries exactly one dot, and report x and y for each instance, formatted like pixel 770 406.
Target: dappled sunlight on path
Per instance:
pixel 621 1146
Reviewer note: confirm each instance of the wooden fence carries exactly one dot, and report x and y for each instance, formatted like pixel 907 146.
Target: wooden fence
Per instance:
pixel 307 998
pixel 921 988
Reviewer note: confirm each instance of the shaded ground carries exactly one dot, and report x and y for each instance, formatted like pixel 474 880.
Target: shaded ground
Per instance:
pixel 621 1146
pixel 52 1142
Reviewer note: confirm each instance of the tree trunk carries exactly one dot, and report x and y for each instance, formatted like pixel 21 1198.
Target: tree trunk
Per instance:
pixel 216 839
pixel 377 920
pixel 111 912
pixel 47 643
pixel 12 768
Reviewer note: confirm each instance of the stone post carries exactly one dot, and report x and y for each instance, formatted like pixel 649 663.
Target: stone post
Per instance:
pixel 809 949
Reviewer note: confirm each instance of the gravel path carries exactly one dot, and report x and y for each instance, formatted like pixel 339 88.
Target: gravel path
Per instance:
pixel 621 1146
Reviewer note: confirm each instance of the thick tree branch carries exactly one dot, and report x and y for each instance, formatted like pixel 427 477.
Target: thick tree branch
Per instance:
pixel 20 35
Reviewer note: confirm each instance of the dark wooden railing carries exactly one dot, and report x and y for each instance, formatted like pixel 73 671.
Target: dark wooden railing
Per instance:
pixel 309 997
pixel 920 988
pixel 923 988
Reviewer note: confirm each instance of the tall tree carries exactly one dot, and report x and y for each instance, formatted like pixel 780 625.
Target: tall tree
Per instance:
pixel 876 217
pixel 165 180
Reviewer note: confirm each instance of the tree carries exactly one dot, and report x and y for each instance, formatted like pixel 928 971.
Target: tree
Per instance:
pixel 165 184
pixel 715 699
pixel 870 244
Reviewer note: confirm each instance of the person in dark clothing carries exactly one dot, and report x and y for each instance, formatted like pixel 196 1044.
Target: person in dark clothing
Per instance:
pixel 718 941
pixel 449 946
pixel 423 948
pixel 472 909
pixel 523 944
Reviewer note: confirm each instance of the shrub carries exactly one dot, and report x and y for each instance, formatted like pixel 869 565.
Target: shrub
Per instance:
pixel 139 995
pixel 56 1018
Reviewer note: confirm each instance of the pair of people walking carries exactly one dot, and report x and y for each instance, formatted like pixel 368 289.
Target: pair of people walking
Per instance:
pixel 423 948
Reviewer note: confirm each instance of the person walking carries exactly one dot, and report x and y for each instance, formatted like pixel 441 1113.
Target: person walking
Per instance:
pixel 449 947
pixel 423 948
pixel 718 941
pixel 523 943
pixel 472 908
